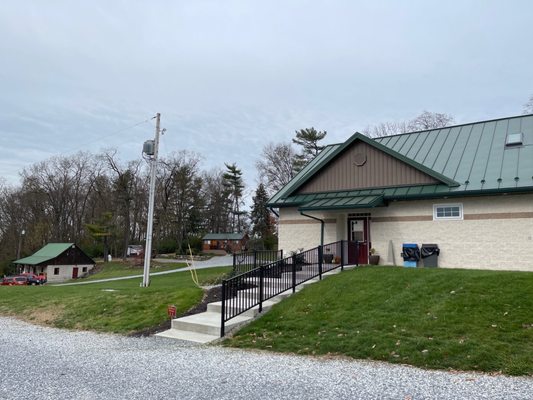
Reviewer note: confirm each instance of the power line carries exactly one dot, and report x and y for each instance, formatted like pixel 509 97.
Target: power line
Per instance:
pixel 80 147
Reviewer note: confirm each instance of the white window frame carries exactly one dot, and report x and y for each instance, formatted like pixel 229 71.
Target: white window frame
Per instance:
pixel 454 218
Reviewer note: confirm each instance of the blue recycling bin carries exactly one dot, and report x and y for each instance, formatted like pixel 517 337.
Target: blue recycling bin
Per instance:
pixel 410 254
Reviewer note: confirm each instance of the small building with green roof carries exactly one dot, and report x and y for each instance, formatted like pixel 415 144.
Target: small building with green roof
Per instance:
pixel 58 261
pixel 467 188
pixel 224 242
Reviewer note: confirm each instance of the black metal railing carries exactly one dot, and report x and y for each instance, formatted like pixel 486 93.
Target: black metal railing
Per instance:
pixel 249 260
pixel 251 288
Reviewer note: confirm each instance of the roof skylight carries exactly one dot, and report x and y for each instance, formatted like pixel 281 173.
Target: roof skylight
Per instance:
pixel 514 139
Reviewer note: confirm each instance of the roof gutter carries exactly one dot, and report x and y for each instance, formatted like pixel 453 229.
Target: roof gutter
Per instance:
pixel 321 226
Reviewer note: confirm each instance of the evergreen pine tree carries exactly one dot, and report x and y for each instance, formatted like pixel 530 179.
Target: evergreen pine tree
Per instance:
pixel 260 214
pixel 307 138
pixel 234 185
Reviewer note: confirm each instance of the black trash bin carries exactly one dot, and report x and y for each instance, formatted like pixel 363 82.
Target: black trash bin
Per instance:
pixel 410 254
pixel 430 255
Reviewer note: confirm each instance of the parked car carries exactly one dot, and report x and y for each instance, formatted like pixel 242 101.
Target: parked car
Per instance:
pixel 34 279
pixel 8 281
pixel 21 280
pixel 15 280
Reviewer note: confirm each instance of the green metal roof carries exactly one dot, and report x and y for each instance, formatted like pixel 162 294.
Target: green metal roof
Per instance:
pixel 475 155
pixel 223 236
pixel 469 159
pixel 341 203
pixel 48 252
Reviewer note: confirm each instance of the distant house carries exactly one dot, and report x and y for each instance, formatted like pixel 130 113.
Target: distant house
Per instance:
pixel 467 188
pixel 230 242
pixel 135 250
pixel 59 261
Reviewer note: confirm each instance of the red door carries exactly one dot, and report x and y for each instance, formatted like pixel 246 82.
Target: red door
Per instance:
pixel 74 272
pixel 358 233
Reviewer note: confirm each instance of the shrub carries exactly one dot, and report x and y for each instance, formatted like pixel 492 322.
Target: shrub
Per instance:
pixel 167 245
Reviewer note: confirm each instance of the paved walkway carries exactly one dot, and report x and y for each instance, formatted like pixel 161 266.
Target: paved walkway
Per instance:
pixel 45 363
pixel 222 261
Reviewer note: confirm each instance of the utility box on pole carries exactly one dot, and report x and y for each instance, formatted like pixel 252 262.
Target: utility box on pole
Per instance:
pixel 148 148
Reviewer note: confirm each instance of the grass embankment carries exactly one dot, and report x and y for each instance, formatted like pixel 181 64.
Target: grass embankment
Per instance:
pixel 433 318
pixel 117 269
pixel 118 306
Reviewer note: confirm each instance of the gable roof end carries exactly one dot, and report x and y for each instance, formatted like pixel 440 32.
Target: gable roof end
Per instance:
pixel 335 151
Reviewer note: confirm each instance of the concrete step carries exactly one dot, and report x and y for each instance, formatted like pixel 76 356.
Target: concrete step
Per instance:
pixel 188 336
pixel 207 323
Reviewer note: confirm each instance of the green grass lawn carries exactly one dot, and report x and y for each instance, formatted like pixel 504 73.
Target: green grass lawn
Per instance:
pixel 118 306
pixel 117 269
pixel 432 318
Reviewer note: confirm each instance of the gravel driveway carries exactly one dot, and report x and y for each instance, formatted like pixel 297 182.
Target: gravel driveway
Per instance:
pixel 81 365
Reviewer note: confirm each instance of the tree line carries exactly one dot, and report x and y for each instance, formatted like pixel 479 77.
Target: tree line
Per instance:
pixel 100 203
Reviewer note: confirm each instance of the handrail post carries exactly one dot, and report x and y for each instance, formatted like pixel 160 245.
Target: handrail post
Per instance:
pixel 293 273
pixel 223 310
pixel 261 283
pixel 342 254
pixel 320 259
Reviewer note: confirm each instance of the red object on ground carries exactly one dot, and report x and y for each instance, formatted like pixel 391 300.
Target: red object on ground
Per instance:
pixel 171 310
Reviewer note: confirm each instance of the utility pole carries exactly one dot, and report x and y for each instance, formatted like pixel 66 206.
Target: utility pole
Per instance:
pixel 151 149
pixel 20 243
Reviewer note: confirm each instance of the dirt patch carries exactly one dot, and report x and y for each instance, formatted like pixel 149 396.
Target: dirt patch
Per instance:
pixel 46 316
pixel 210 296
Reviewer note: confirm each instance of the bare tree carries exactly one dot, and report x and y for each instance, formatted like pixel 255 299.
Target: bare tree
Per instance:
pixel 11 223
pixel 126 183
pixel 425 121
pixel 218 203
pixel 430 120
pixel 528 107
pixel 276 166
pixel 386 129
pixel 62 186
pixel 179 197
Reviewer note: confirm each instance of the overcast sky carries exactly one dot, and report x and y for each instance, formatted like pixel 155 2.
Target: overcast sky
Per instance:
pixel 230 76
